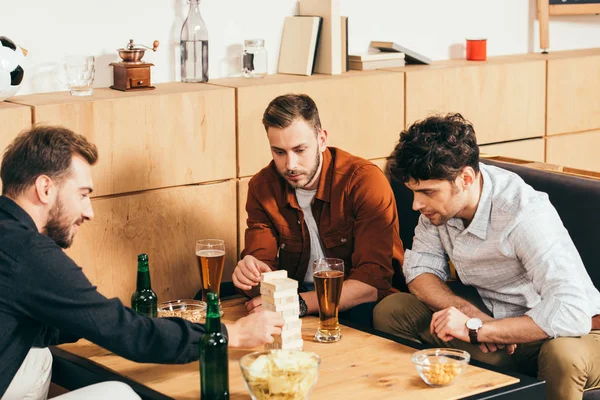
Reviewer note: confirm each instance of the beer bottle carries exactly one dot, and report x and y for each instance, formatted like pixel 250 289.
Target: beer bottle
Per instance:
pixel 214 363
pixel 144 300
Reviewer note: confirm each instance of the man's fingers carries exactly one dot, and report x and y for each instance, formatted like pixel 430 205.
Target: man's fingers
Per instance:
pixel 491 347
pixel 243 280
pixel 483 348
pixel 249 273
pixel 277 331
pixel 239 284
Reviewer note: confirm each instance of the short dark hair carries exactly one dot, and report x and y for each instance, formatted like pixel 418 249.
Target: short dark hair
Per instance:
pixel 439 147
pixel 284 110
pixel 42 150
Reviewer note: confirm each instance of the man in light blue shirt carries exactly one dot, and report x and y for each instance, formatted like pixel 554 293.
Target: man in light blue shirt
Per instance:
pixel 506 240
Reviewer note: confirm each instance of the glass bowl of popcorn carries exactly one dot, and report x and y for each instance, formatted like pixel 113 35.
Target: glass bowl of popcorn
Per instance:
pixel 191 310
pixel 440 367
pixel 280 374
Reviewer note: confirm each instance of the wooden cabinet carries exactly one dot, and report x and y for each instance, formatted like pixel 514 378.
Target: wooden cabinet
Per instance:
pixel 242 214
pixel 532 149
pixel 363 112
pixel 578 150
pixel 175 135
pixel 15 118
pixel 163 223
pixel 574 93
pixel 503 100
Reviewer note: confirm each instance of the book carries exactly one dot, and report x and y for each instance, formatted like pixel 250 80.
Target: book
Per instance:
pixel 370 65
pixel 299 43
pixel 345 56
pixel 411 57
pixel 376 56
pixel 328 59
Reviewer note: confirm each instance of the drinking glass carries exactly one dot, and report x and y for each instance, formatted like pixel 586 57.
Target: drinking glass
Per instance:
pixel 328 276
pixel 80 72
pixel 210 254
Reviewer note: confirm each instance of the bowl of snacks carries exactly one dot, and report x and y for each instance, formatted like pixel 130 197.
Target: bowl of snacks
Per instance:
pixel 280 374
pixel 191 310
pixel 440 367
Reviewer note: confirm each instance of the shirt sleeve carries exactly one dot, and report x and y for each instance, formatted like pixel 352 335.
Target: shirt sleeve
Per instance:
pixel 553 264
pixel 375 227
pixel 54 291
pixel 260 235
pixel 427 255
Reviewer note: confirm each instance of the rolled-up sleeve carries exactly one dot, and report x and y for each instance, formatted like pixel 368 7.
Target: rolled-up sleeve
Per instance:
pixel 553 264
pixel 427 254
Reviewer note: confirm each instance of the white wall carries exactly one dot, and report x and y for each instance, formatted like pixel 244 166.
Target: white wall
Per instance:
pixel 51 29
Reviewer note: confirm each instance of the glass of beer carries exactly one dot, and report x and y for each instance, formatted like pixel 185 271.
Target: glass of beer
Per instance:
pixel 210 254
pixel 328 276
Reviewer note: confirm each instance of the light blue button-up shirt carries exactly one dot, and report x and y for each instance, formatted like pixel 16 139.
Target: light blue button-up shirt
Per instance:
pixel 516 253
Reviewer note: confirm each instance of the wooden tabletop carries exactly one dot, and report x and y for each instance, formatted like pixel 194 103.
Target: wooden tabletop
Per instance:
pixel 360 366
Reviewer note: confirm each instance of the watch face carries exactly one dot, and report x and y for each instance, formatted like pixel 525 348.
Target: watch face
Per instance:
pixel 474 323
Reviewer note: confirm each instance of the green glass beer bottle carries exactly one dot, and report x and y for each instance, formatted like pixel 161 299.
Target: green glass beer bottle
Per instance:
pixel 214 362
pixel 144 300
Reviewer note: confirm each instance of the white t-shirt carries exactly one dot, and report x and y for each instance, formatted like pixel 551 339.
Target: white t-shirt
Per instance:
pixel 305 198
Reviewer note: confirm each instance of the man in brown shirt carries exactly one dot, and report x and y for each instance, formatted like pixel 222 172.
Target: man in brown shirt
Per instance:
pixel 316 201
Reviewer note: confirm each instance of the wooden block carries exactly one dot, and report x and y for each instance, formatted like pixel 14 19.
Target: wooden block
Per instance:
pixel 292 324
pixel 164 224
pixel 289 336
pixel 15 118
pixel 278 294
pixel 282 307
pixel 478 92
pixel 270 276
pixel 178 134
pixel 282 300
pixel 280 284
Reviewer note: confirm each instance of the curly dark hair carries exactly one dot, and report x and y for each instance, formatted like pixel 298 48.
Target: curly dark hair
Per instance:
pixel 439 147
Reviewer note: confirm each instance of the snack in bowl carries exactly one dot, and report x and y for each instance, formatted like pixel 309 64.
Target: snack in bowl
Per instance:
pixel 440 367
pixel 191 310
pixel 280 374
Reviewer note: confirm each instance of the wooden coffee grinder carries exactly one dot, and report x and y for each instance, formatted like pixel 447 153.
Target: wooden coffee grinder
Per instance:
pixel 132 73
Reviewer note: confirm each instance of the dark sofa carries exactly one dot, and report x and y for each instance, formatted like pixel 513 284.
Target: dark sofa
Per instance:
pixel 577 200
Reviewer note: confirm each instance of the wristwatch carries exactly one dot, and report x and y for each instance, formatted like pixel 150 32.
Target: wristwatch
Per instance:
pixel 473 325
pixel 303 308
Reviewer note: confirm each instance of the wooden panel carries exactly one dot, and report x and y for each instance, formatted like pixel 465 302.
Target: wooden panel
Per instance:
pixel 165 224
pixel 578 150
pixel 15 118
pixel 504 101
pixel 360 366
pixel 573 94
pixel 532 149
pixel 363 112
pixel 242 214
pixel 177 134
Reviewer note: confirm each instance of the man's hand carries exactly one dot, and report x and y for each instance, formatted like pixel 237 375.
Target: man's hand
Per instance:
pixel 493 347
pixel 246 274
pixel 254 305
pixel 450 324
pixel 255 330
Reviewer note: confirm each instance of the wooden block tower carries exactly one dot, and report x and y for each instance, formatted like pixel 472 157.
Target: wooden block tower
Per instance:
pixel 280 294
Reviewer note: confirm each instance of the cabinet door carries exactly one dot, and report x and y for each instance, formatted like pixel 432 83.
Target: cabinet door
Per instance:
pixel 504 101
pixel 579 150
pixel 165 224
pixel 531 150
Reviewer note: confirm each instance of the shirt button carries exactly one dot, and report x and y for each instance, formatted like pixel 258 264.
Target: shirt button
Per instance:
pixel 298 222
pixel 282 245
pixel 343 240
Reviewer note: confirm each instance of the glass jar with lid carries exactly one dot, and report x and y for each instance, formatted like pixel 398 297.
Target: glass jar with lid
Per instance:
pixel 254 59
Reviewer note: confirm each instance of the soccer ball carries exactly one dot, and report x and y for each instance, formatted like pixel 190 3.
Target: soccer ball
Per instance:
pixel 11 67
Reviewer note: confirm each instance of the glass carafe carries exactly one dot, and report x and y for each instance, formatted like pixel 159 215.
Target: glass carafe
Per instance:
pixel 194 46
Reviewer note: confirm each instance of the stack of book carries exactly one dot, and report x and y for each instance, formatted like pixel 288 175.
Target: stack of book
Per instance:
pixel 369 61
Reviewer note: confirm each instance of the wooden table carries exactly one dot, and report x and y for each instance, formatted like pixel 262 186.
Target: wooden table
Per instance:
pixel 361 365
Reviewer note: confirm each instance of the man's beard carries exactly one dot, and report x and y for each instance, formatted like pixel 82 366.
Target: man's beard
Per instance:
pixel 311 174
pixel 58 227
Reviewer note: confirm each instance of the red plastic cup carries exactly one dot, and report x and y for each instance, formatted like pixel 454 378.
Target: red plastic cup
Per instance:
pixel 476 49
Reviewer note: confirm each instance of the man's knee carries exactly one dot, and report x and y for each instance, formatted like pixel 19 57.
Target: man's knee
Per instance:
pixel 562 354
pixel 401 313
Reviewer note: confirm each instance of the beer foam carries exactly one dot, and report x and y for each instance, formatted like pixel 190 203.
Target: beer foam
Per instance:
pixel 210 253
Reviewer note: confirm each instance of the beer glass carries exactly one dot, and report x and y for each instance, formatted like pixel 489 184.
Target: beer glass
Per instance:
pixel 210 254
pixel 328 276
